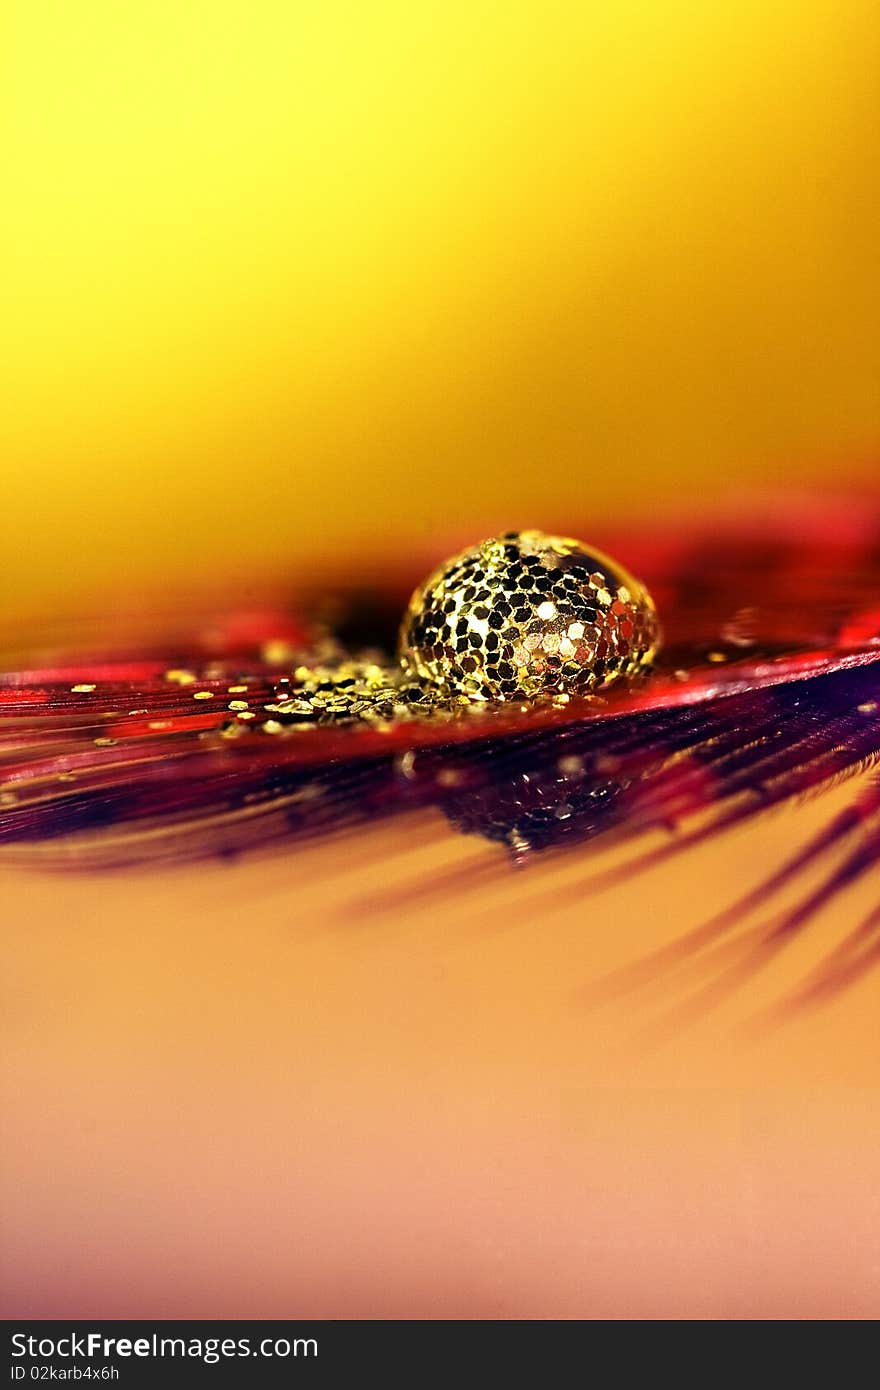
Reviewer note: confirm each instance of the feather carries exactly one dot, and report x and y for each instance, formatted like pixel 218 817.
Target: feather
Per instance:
pixel 768 689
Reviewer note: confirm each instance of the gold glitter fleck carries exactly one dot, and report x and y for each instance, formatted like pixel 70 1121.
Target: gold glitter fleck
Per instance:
pixel 571 765
pixel 448 777
pixel 231 729
pixel 238 704
pixel 204 695
pixel 277 653
pixel 742 628
pixel 180 677
pixel 85 689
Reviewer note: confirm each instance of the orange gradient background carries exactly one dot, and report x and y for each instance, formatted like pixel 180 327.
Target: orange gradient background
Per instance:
pixel 283 286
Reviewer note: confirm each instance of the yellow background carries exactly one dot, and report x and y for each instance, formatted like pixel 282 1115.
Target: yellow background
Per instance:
pixel 285 281
pixel 283 285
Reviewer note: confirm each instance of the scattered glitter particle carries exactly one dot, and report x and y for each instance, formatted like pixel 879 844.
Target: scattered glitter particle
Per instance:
pixel 277 653
pixel 448 777
pixel 571 765
pixel 741 630
pixel 406 764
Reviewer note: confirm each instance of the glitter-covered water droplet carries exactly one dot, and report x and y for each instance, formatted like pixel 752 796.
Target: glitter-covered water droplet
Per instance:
pixel 527 614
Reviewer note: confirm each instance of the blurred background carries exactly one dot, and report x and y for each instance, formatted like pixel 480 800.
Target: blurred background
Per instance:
pixel 284 284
